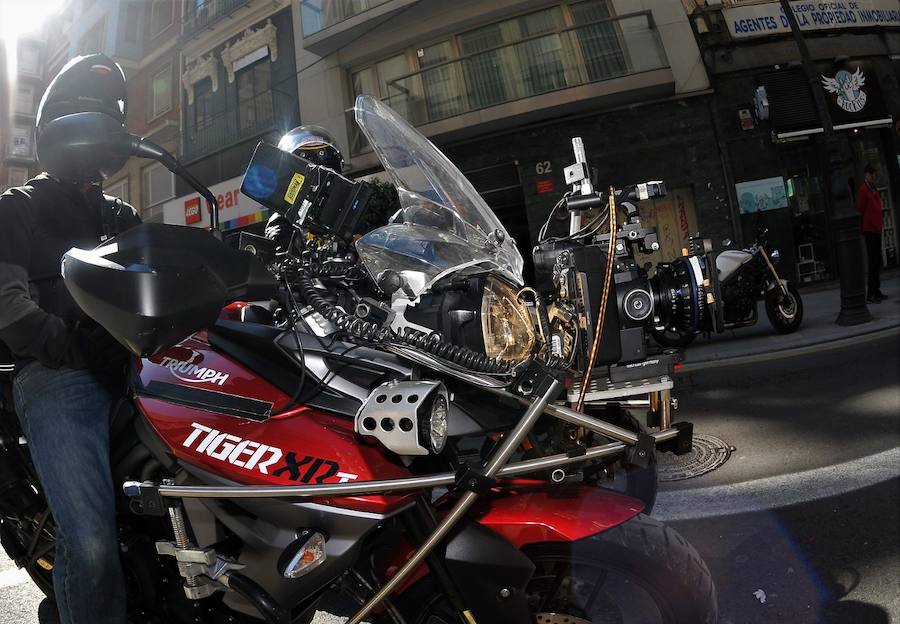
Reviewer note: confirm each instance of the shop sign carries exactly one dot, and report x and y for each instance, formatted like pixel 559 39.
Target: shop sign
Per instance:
pixel 759 20
pixel 192 212
pixel 235 209
pixel 758 195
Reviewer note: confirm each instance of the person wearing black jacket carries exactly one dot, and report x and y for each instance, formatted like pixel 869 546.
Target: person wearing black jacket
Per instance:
pixel 68 369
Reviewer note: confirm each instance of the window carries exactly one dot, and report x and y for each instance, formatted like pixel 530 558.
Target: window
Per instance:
pixel 159 185
pixel 203 103
pixel 131 32
pixel 92 41
pixel 161 16
pixel 443 95
pixel 500 74
pixel 25 99
pixel 21 142
pixel 161 92
pixel 29 60
pixel 255 112
pixel 384 81
pixel 599 42
pixel 118 189
pixel 16 176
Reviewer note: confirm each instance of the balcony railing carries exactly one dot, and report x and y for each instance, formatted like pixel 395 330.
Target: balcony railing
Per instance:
pixel 205 13
pixel 570 57
pixel 251 118
pixel 316 15
pixel 19 152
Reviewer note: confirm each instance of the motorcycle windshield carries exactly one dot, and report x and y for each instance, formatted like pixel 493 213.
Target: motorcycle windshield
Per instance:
pixel 443 223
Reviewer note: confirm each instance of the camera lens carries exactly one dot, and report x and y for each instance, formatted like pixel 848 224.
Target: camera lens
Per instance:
pixel 680 296
pixel 638 305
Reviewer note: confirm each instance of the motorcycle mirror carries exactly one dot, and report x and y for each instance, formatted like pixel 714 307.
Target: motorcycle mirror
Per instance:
pixel 726 242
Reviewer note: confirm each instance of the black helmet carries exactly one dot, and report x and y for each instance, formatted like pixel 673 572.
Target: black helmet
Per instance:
pixel 315 144
pixel 80 116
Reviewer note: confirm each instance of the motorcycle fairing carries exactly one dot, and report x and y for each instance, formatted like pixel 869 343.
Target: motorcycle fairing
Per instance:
pixel 528 513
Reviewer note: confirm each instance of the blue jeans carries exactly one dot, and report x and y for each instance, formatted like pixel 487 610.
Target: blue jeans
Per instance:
pixel 65 416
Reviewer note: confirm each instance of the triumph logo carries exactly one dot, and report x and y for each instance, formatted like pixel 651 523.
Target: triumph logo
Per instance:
pixel 251 455
pixel 187 370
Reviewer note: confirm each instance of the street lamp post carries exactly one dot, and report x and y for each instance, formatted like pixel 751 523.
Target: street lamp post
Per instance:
pixel 844 218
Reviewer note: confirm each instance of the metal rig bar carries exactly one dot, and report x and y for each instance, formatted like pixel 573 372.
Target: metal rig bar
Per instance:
pixel 415 483
pixel 509 445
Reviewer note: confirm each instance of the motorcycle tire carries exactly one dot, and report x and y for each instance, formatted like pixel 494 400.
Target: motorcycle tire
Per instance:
pixel 675 339
pixel 785 313
pixel 640 571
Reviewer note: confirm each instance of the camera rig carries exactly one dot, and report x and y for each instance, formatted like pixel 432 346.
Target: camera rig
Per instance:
pixel 602 302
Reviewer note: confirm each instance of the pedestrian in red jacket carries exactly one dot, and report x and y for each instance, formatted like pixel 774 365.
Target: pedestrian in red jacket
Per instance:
pixel 868 203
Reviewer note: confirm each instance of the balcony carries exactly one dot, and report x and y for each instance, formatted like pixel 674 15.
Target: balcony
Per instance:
pixel 207 13
pixel 571 58
pixel 252 118
pixel 328 25
pixel 22 152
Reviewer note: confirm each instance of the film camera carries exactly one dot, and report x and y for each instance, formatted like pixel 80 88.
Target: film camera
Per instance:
pixel 678 295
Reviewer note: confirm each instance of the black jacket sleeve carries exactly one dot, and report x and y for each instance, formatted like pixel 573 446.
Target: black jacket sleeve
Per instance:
pixel 27 330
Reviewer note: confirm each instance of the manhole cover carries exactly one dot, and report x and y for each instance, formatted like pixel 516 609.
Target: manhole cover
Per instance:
pixel 707 454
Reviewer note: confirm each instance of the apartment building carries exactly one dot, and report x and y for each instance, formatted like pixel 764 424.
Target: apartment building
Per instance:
pixel 503 86
pixel 238 86
pixel 142 36
pixel 776 160
pixel 19 98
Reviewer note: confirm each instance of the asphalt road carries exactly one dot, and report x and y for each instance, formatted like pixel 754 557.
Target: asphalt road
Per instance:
pixel 832 556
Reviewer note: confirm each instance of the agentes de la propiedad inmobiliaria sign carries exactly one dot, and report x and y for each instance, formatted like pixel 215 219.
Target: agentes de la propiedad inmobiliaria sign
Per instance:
pixel 758 20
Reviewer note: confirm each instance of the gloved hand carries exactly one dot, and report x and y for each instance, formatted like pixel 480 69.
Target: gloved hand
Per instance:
pixel 101 352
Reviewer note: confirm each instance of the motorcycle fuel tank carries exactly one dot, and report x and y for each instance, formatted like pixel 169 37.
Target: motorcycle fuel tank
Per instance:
pixel 219 416
pixel 729 260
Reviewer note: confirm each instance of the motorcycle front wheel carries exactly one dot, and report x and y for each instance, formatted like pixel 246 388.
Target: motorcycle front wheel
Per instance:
pixel 785 312
pixel 640 572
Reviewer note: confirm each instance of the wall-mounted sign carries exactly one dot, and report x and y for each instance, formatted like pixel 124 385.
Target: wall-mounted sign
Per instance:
pixel 765 194
pixel 759 20
pixel 192 213
pixel 544 186
pixel 235 209
pixel 746 119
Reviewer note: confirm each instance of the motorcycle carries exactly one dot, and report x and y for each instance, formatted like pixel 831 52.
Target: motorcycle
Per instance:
pixel 294 422
pixel 744 277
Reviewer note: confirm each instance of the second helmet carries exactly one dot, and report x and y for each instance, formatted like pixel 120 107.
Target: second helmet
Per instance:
pixel 314 144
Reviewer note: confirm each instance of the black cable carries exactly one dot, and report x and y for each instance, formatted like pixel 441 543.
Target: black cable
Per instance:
pixel 295 310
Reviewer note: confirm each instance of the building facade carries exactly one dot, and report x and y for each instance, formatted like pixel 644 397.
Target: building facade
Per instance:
pixel 502 87
pixel 238 86
pixel 19 98
pixel 772 141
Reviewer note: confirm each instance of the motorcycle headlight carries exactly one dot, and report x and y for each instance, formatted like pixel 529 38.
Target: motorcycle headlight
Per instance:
pixel 434 424
pixel 505 322
pixel 408 417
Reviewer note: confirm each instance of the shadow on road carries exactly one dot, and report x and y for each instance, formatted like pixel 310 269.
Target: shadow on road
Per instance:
pixel 832 561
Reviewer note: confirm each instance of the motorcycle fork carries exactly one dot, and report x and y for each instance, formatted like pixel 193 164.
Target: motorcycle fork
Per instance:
pixel 778 282
pixel 419 521
pixel 492 467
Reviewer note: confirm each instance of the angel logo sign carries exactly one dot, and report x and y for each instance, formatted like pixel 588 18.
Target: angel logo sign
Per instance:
pixel 848 87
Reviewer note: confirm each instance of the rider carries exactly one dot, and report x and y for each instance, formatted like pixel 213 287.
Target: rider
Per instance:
pixel 68 369
pixel 312 143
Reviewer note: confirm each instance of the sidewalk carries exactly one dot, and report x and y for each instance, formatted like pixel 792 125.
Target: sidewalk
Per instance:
pixel 820 309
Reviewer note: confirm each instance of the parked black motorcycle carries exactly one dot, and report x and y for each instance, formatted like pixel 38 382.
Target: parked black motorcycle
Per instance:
pixel 744 277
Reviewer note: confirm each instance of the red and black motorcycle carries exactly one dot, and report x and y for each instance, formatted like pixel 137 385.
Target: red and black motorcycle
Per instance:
pixel 358 417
